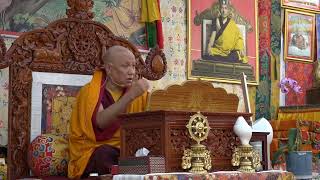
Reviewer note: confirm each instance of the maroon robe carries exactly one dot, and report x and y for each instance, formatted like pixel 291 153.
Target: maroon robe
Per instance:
pixel 104 156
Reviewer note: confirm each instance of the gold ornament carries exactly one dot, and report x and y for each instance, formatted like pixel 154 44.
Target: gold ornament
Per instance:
pixel 246 157
pixel 197 158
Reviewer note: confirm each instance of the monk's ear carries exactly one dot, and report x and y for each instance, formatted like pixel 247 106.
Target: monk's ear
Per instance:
pixel 107 67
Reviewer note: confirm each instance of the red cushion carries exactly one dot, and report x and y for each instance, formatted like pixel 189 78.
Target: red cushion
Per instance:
pixel 48 156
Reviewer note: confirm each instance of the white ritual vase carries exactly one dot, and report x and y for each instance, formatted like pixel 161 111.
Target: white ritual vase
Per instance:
pixel 243 130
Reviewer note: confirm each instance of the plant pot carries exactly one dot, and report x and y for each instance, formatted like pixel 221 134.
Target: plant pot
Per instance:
pixel 300 164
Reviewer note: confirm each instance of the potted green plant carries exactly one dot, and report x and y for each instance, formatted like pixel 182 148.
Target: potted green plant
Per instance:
pixel 298 162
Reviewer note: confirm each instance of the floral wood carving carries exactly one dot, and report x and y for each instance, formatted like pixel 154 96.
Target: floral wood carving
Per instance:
pixel 19 109
pixel 221 143
pixel 42 55
pixel 80 9
pixel 216 142
pixel 139 138
pixel 180 140
pixel 3 51
pixel 65 46
pixel 74 47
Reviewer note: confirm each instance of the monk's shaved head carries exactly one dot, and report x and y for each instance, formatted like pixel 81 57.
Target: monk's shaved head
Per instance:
pixel 115 52
pixel 120 65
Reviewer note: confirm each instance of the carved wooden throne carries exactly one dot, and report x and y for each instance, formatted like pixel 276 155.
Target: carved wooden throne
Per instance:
pixel 70 46
pixel 3 50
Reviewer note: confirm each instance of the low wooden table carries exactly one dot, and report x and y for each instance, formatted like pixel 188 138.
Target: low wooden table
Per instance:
pixel 164 133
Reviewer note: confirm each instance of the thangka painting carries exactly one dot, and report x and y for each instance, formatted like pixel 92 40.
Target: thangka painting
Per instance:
pixel 299 39
pixel 223 40
pixel 9 38
pixel 318 35
pixel 57 104
pixel 120 16
pixel 4 85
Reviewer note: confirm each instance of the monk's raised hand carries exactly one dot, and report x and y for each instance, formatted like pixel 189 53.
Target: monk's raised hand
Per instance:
pixel 138 88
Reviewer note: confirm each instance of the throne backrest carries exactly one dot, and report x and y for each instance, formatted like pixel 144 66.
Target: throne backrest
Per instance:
pixel 66 46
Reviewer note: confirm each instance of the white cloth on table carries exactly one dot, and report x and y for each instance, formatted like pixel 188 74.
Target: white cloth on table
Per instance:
pixel 128 177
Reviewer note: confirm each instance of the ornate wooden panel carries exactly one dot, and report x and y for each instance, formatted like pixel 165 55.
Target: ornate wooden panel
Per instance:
pixel 165 133
pixel 179 140
pixel 221 142
pixel 147 138
pixel 175 138
pixel 193 96
pixel 70 45
pixel 3 50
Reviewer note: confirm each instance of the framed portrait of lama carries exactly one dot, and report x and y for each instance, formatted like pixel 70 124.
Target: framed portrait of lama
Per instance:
pixel 223 40
pixel 299 39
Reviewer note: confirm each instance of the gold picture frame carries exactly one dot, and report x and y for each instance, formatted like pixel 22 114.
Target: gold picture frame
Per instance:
pixel 311 6
pixel 202 65
pixel 299 38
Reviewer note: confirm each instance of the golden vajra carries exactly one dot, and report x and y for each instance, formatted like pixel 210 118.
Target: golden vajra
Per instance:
pixel 197 158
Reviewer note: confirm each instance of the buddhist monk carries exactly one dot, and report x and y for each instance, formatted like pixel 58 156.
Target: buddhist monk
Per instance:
pixel 94 140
